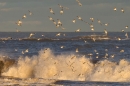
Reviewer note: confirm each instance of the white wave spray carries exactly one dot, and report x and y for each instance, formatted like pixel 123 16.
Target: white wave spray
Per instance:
pixel 69 67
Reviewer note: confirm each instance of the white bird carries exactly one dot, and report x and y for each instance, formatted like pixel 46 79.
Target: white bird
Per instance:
pixel 62 46
pixel 85 41
pixel 99 22
pixel 78 30
pixel 30 13
pixel 126 27
pixel 62 28
pixel 119 38
pixel 16 50
pixel 91 25
pixel 26 50
pixel 115 9
pixel 122 10
pixel 126 35
pixel 92 19
pixel 79 3
pixel 58 34
pixel 60 6
pixel 19 23
pixel 76 50
pixel 24 16
pixel 51 11
pixel 92 29
pixel 117 47
pixel 54 22
pixel 79 18
pixel 93 39
pixel 122 51
pixel 123 30
pixel 112 56
pixel 59 22
pixel 106 24
pixel 73 20
pixel 105 31
pixel 50 18
pixel 17 30
pixel 57 25
pixel 22 52
pixel 61 11
pixel 31 34
pixel 63 7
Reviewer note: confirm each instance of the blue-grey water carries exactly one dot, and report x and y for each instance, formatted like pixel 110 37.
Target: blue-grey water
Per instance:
pixel 103 61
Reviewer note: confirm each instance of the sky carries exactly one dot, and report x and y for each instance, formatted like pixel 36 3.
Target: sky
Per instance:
pixel 12 10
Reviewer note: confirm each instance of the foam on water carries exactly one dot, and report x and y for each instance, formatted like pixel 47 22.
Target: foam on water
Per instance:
pixel 69 67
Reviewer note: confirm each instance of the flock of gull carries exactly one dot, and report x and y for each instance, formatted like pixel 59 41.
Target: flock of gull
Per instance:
pixel 59 24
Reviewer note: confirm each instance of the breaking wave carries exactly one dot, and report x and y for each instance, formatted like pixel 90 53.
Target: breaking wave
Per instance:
pixel 66 67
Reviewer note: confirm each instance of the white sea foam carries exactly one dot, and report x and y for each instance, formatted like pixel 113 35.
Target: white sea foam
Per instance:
pixel 69 67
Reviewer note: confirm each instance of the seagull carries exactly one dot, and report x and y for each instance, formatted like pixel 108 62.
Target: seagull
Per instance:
pixel 105 31
pixel 123 30
pixel 93 39
pixel 117 47
pixel 106 50
pixel 50 18
pixel 119 38
pixel 22 52
pixel 99 22
pixel 122 10
pixel 26 50
pixel 54 22
pixel 78 30
pixel 19 23
pixel 17 30
pixel 63 7
pixel 30 13
pixel 79 3
pixel 85 41
pixel 60 6
pixel 59 22
pixel 91 25
pixel 73 20
pixel 126 35
pixel 62 46
pixel 51 11
pixel 61 11
pixel 112 56
pixel 62 28
pixel 24 16
pixel 79 18
pixel 57 25
pixel 121 51
pixel 92 29
pixel 115 9
pixel 58 34
pixel 31 34
pixel 126 27
pixel 92 19
pixel 106 24
pixel 64 34
pixel 16 50
pixel 76 50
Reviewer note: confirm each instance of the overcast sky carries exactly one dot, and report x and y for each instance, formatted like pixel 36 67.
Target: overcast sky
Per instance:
pixel 13 10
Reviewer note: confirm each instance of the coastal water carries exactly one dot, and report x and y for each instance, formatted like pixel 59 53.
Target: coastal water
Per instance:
pixel 82 58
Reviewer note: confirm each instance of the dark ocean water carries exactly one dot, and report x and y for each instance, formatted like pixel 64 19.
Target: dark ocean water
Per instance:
pixel 47 56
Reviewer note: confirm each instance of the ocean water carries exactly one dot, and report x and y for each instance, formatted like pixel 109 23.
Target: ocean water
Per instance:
pixel 47 59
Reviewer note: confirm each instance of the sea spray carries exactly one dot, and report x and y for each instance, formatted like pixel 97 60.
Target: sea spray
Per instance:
pixel 69 67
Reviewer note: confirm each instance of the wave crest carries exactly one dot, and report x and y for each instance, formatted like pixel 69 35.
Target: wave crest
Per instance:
pixel 68 67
